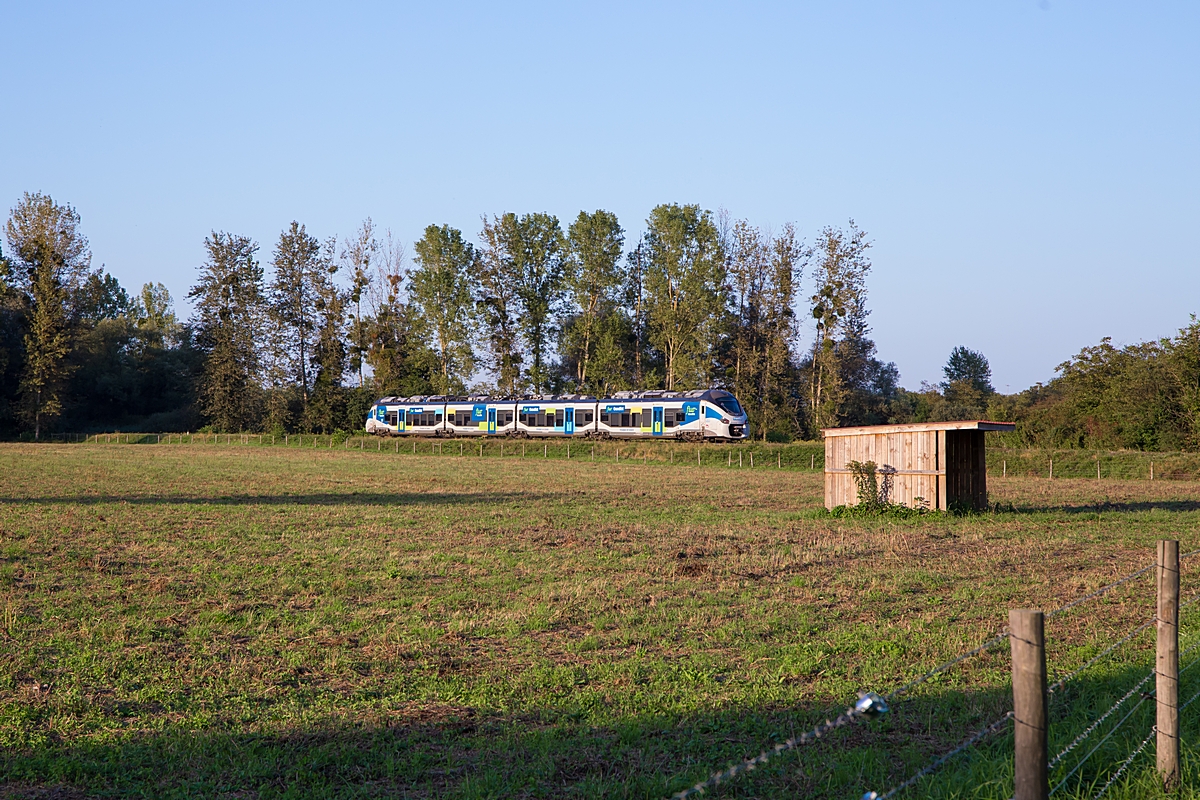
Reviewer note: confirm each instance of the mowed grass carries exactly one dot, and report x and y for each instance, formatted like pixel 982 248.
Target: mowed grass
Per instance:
pixel 230 621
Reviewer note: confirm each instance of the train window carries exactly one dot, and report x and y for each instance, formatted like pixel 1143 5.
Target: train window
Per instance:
pixel 437 419
pixel 604 418
pixel 680 416
pixel 508 417
pixel 637 420
pixel 393 418
pixel 625 421
pixel 669 421
pixel 550 419
pixel 588 417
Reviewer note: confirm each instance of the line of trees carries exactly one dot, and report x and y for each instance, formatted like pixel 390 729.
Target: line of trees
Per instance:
pixel 306 336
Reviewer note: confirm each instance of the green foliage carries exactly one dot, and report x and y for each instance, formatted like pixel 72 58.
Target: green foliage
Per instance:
pixel 764 272
pixel 51 265
pixel 536 250
pixel 1142 396
pixel 300 277
pixel 842 357
pixel 595 336
pixel 684 283
pixel 154 315
pixel 326 406
pixel 970 368
pixel 441 297
pixel 499 308
pixel 229 332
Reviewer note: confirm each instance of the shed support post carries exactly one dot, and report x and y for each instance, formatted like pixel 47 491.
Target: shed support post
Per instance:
pixel 1028 642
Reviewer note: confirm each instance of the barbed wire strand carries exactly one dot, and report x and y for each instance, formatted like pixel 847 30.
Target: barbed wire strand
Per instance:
pixel 1191 700
pixel 852 714
pixel 1125 765
pixel 1100 720
pixel 1100 744
pixel 848 716
pixel 1059 683
pixel 1099 591
pixel 936 764
pixel 1189 555
pixel 990 643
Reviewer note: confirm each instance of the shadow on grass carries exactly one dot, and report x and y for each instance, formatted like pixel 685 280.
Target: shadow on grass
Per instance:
pixel 468 753
pixel 1140 505
pixel 1175 506
pixel 350 498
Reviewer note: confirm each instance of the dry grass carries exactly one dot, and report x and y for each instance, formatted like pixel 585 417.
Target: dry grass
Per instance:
pixel 233 621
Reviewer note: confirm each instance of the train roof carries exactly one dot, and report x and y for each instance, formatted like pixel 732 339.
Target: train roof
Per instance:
pixel 653 394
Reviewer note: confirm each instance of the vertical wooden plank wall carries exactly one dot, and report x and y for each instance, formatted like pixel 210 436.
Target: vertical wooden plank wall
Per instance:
pixel 939 501
pixel 917 458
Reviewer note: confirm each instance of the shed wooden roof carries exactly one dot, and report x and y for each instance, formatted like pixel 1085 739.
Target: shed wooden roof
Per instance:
pixel 959 425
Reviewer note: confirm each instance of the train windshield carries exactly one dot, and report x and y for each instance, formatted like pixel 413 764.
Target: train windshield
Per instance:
pixel 730 404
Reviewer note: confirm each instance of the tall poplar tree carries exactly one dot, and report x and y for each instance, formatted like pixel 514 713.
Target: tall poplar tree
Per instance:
pixel 499 308
pixel 684 288
pixel 763 274
pixel 536 247
pixel 229 331
pixel 358 256
pixel 298 272
pixel 327 402
pixel 51 259
pixel 441 295
pixel 839 310
pixel 594 278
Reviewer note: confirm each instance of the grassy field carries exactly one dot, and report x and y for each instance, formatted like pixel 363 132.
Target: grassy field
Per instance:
pixel 235 621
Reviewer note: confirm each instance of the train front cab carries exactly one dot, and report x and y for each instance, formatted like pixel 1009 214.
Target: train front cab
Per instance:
pixel 724 417
pixel 384 419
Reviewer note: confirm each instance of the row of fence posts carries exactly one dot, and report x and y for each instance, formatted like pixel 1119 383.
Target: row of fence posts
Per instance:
pixel 1031 701
pixel 348 443
pixel 1004 469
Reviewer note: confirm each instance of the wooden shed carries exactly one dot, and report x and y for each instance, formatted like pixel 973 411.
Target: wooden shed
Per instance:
pixel 941 463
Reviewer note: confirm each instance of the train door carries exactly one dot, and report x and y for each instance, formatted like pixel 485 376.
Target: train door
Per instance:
pixel 569 422
pixel 491 421
pixel 658 421
pixel 400 413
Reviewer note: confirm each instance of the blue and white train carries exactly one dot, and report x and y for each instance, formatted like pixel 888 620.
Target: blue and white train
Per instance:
pixel 692 416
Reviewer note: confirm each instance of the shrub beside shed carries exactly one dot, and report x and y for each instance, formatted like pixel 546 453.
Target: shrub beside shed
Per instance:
pixel 940 463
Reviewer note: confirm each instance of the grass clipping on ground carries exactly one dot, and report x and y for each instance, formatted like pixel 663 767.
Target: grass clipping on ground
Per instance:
pixel 183 620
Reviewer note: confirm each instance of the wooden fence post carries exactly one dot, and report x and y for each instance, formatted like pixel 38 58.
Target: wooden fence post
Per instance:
pixel 1166 664
pixel 1028 641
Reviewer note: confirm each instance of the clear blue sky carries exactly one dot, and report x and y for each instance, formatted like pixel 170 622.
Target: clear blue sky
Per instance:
pixel 1028 171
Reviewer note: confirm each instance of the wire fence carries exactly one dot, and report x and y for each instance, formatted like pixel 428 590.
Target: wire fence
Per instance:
pixel 1100 731
pixel 798 456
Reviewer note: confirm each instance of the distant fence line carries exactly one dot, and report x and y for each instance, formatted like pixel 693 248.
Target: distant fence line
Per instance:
pixel 1001 462
pixel 646 451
